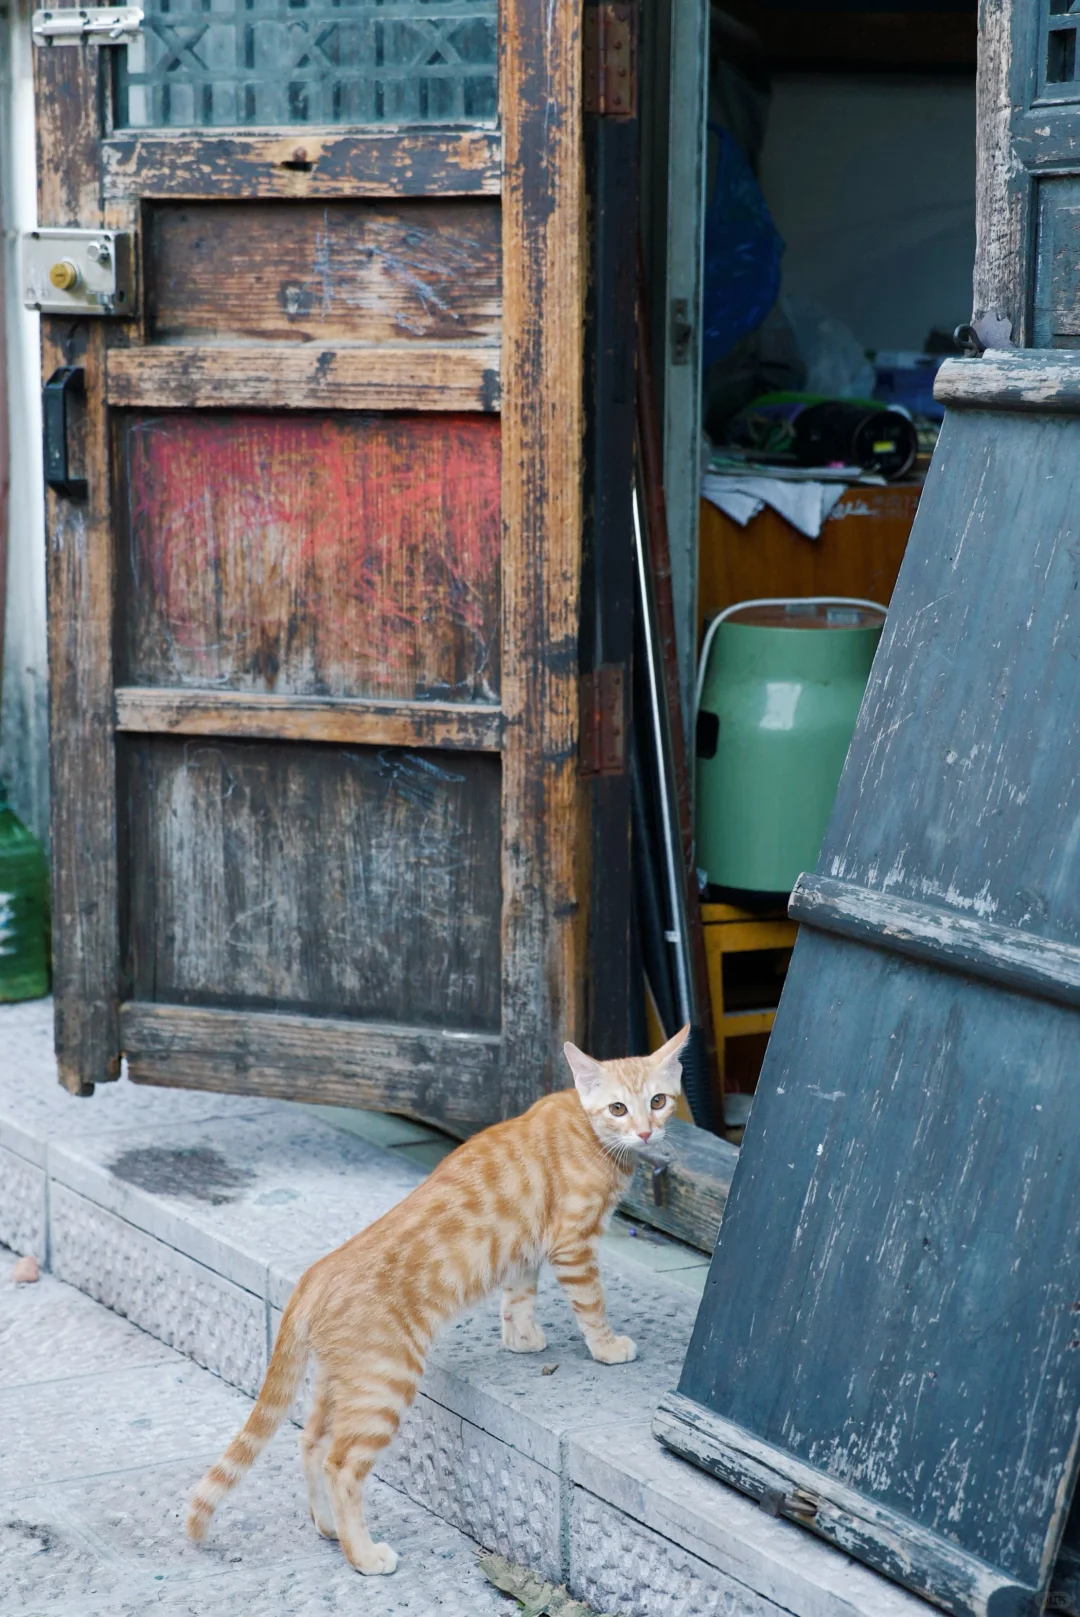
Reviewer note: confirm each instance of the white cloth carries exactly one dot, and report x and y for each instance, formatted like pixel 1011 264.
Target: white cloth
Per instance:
pixel 804 504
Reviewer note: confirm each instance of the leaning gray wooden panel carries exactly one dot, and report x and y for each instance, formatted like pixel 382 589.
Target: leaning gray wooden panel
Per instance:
pixel 889 1343
pixel 963 780
pixel 247 859
pixel 909 1146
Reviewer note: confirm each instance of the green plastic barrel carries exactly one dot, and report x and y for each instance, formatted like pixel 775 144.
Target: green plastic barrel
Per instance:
pixel 24 910
pixel 779 698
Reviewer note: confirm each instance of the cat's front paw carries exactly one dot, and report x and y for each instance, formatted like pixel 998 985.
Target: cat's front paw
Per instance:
pixel 613 1350
pixel 376 1561
pixel 523 1336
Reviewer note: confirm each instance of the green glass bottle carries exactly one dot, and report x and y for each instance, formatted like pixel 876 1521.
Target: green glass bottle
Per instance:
pixel 24 909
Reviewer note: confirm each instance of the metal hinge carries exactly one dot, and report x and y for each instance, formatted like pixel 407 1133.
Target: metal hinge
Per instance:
pixel 609 31
pixel 799 1505
pixel 98 25
pixel 603 721
pixel 681 331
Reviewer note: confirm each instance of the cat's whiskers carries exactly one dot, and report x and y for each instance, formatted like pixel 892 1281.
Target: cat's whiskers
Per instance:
pixel 619 1152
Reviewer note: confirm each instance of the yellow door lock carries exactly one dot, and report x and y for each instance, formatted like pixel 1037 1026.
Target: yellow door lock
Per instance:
pixel 64 276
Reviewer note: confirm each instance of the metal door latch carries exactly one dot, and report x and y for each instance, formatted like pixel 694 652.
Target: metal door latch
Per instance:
pixel 98 25
pixel 681 331
pixel 79 272
pixel 63 385
pixel 656 1167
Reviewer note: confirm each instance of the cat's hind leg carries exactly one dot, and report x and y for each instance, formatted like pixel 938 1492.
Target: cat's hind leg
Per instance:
pixel 520 1332
pixel 314 1448
pixel 362 1427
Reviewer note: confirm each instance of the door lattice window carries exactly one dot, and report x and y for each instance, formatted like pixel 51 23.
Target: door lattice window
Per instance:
pixel 1060 65
pixel 243 63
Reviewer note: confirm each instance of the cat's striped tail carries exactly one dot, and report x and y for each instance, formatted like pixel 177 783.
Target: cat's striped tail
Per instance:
pixel 282 1382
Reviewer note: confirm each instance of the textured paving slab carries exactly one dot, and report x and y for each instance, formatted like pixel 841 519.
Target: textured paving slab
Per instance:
pixel 49 1332
pixel 34 1109
pixel 220 1325
pixel 95 1469
pixel 246 1196
pixel 192 1215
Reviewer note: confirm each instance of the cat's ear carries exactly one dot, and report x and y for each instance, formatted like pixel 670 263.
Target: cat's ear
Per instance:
pixel 666 1060
pixel 587 1072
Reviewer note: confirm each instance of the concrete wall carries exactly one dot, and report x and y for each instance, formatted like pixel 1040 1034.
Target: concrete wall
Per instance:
pixel 23 698
pixel 871 182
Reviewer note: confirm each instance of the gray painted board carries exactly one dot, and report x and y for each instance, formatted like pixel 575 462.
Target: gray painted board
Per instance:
pixel 888 1348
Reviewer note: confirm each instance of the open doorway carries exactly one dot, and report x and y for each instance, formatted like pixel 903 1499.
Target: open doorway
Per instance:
pixel 835 211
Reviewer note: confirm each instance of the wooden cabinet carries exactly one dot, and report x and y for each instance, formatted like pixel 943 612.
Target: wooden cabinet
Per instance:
pixel 858 552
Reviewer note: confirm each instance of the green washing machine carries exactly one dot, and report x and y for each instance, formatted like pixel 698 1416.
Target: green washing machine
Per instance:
pixel 779 689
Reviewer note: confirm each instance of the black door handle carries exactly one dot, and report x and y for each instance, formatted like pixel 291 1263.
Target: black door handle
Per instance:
pixel 61 385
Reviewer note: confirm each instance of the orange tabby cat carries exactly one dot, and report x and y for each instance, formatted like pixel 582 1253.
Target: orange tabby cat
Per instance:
pixel 539 1187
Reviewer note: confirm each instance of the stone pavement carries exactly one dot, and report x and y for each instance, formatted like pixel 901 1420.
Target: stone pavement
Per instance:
pixel 193 1215
pixel 104 1432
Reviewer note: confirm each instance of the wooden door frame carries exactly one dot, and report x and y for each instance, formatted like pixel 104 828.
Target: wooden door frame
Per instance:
pixel 611 135
pixel 1002 197
pixel 545 826
pixel 680 350
pixel 534 160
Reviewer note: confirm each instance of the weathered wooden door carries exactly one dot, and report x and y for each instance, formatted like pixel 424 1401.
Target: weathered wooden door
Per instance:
pixel 313 621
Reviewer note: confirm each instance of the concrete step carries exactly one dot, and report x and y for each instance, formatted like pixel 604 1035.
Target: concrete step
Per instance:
pixel 105 1432
pixel 194 1214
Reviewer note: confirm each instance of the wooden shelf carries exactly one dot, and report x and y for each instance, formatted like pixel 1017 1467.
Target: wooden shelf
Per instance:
pixel 733 931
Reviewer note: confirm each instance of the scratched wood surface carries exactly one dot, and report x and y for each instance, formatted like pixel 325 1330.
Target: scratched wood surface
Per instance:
pixel 895 1295
pixel 1011 380
pixel 311 554
pixel 343 271
pixel 469 726
pixel 337 466
pixel 419 376
pixel 453 1078
pixel 80 626
pixel 688 1198
pixel 303 163
pixel 329 880
pixel 546 825
pixel 1002 187
pixel 992 587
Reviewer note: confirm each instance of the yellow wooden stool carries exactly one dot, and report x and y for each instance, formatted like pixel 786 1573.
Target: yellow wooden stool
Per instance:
pixel 733 931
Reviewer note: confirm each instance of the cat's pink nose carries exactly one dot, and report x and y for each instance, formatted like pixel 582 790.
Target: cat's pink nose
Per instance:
pixel 644 1134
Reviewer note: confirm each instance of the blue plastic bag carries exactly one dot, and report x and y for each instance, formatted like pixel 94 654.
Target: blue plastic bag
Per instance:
pixel 743 249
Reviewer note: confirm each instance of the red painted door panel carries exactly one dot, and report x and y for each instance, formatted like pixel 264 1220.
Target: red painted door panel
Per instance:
pixel 310 554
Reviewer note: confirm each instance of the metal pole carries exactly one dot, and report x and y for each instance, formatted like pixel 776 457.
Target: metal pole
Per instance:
pixel 673 859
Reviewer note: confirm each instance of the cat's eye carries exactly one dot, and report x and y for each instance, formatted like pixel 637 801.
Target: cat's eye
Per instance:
pixel 617 1109
pixel 658 1103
